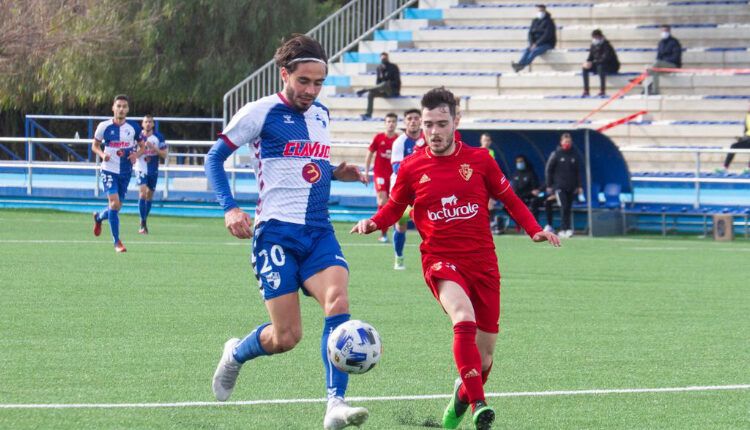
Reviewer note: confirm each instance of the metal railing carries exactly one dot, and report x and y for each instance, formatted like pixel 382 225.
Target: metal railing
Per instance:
pixel 337 34
pixel 29 164
pixel 696 179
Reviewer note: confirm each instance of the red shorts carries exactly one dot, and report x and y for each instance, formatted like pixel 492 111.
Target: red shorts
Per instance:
pixel 382 183
pixel 478 275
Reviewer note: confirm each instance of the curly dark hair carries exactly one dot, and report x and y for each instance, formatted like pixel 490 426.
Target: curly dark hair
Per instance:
pixel 439 96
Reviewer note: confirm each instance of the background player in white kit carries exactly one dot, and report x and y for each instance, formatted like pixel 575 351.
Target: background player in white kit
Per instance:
pixel 294 245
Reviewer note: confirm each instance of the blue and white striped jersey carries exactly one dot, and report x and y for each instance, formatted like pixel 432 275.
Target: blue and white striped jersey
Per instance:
pixel 148 163
pixel 290 153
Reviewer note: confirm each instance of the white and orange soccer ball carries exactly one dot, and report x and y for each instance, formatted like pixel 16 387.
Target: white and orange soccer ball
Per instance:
pixel 354 347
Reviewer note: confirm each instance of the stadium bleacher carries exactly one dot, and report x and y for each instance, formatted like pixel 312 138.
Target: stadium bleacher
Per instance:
pixel 468 47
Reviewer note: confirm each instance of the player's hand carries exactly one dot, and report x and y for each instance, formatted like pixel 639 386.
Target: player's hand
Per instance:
pixel 365 226
pixel 348 173
pixel 366 177
pixel 579 190
pixel 547 236
pixel 105 157
pixel 133 157
pixel 239 223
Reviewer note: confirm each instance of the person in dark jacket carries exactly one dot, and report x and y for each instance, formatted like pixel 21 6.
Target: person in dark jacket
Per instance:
pixel 602 60
pixel 542 38
pixel 668 55
pixel 388 84
pixel 525 183
pixel 563 182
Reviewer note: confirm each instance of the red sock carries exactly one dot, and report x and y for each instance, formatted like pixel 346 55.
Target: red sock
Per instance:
pixel 468 360
pixel 463 395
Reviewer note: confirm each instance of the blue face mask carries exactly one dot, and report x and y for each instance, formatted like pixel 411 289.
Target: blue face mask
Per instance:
pixel 520 165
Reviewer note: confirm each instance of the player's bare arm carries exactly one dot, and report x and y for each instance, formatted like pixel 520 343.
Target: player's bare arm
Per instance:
pixel 238 223
pixel 368 161
pixel 349 173
pixel 96 147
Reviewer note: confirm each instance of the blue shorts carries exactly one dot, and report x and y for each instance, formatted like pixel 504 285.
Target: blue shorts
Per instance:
pixel 285 255
pixel 115 183
pixel 147 179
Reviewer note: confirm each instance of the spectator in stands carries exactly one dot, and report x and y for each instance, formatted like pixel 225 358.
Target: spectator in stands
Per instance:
pixel 602 60
pixel 563 183
pixel 742 143
pixel 542 38
pixel 526 185
pixel 387 84
pixel 668 55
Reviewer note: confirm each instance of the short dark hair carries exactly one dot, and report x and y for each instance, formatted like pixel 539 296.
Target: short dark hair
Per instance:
pixel 299 46
pixel 597 33
pixel 667 26
pixel 409 111
pixel 391 115
pixel 541 6
pixel 566 136
pixel 439 96
pixel 485 134
pixel 121 97
pixel 148 115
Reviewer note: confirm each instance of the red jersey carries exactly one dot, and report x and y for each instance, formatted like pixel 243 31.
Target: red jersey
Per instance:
pixel 450 196
pixel 381 145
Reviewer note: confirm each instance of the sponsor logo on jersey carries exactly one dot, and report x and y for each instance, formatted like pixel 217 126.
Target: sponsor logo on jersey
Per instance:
pixel 322 121
pixel 424 179
pixel 451 210
pixel 119 144
pixel 288 119
pixel 466 171
pixel 306 148
pixel 311 173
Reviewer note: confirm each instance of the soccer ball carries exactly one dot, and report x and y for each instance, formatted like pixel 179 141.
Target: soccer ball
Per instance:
pixel 354 347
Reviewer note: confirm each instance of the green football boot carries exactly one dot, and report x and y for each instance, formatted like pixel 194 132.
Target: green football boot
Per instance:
pixel 455 410
pixel 484 416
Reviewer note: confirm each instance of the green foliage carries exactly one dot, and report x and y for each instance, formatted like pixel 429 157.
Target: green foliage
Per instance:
pixel 168 55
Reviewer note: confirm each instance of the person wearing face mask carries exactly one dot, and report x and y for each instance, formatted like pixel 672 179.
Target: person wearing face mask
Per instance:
pixel 542 38
pixel 526 185
pixel 602 60
pixel 563 183
pixel 387 84
pixel 668 55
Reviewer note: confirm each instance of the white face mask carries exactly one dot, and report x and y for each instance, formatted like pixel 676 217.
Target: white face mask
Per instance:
pixel 597 41
pixel 540 14
pixel 665 35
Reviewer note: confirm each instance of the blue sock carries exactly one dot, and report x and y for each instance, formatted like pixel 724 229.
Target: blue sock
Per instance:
pixel 148 207
pixel 114 224
pixel 250 346
pixel 142 209
pixel 399 239
pixel 336 380
pixel 101 216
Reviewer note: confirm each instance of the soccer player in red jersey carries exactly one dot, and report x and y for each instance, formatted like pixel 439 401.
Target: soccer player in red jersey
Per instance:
pixel 380 150
pixel 449 184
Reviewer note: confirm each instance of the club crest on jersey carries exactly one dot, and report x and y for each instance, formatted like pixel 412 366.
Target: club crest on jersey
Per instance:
pixel 306 148
pixel 273 280
pixel 466 171
pixel 311 173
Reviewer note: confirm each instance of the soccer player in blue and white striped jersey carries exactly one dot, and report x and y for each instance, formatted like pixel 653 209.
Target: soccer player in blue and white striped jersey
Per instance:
pixel 294 246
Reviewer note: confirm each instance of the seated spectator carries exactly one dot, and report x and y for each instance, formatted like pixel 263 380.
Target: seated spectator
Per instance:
pixel 602 60
pixel 526 185
pixel 542 38
pixel 668 55
pixel 742 143
pixel 387 84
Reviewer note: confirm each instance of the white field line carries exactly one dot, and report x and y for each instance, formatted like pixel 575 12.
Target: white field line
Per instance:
pixel 371 399
pixel 100 242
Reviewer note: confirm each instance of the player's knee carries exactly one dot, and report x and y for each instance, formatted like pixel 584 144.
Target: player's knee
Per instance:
pixel 401 228
pixel 143 195
pixel 286 340
pixel 115 206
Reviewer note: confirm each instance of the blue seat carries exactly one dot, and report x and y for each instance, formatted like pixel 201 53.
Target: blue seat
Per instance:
pixel 612 195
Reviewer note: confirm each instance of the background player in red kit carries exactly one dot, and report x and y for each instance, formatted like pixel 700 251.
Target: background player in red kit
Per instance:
pixel 380 150
pixel 449 184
